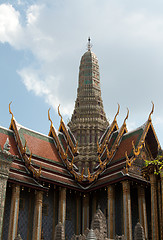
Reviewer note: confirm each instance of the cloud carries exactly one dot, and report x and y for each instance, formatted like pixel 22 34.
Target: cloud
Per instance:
pixel 9 24
pixel 127 39
pixel 43 86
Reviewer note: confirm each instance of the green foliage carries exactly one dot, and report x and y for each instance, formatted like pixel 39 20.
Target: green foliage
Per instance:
pixel 157 162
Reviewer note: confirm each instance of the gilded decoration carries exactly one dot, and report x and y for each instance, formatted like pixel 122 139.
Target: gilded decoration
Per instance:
pixel 104 147
pixel 113 125
pixel 137 151
pixel 64 128
pixel 22 149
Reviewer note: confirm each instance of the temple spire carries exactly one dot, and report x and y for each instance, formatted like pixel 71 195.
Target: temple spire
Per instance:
pixel 89 45
pixel 88 121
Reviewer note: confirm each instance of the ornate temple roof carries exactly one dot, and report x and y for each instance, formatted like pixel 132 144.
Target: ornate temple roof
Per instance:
pixel 42 160
pixel 88 153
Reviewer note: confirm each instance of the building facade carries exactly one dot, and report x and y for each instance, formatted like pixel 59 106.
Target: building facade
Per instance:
pixel 65 176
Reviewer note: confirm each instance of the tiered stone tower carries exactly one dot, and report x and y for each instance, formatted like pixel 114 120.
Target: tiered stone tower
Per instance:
pixel 88 121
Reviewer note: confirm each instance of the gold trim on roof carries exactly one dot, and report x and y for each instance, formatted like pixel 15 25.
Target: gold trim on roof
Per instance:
pixel 110 154
pixel 59 112
pixel 69 140
pixel 72 162
pixel 30 157
pixel 117 113
pixel 141 143
pixel 10 110
pixel 25 147
pixel 22 149
pixel 149 118
pixel 50 117
pixel 147 126
pixel 136 151
pixel 129 161
pixel 126 116
pixel 113 125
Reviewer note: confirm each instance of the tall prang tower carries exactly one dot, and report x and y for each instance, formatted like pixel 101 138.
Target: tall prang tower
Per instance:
pixel 88 121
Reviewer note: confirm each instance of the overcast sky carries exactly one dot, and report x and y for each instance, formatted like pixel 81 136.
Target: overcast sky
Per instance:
pixel 41 44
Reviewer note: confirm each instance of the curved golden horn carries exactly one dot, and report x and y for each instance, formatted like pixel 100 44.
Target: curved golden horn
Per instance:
pixel 59 112
pixel 10 110
pixel 126 115
pixel 117 112
pixel 149 118
pixel 49 116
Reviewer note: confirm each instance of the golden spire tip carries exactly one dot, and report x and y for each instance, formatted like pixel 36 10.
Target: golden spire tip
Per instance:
pixel 10 110
pixel 117 112
pixel 49 116
pixel 59 112
pixel 149 118
pixel 126 115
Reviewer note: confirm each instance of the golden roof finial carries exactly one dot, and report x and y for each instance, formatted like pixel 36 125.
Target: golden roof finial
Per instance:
pixel 49 116
pixel 117 112
pixel 126 116
pixel 59 112
pixel 149 118
pixel 10 110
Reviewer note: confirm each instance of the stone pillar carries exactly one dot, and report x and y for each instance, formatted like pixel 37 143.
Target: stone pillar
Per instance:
pixel 14 212
pixel 154 212
pixel 159 206
pixel 94 203
pixel 54 210
pixel 127 219
pixel 111 212
pixel 62 205
pixel 78 215
pixel 5 163
pixel 162 203
pixel 85 217
pixel 142 210
pixel 37 222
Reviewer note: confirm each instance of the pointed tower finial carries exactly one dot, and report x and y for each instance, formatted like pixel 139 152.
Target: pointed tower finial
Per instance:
pixel 89 45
